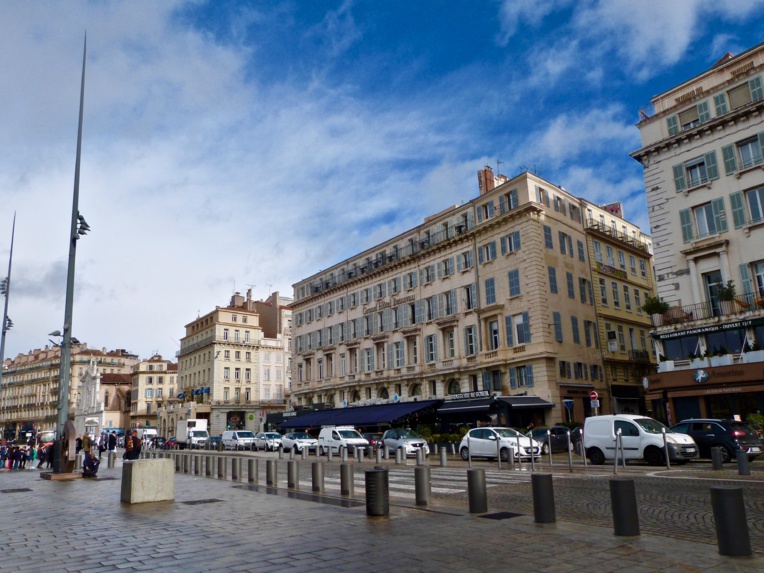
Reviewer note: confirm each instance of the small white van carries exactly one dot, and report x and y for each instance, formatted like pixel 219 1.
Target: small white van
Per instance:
pixel 238 439
pixel 642 440
pixel 334 437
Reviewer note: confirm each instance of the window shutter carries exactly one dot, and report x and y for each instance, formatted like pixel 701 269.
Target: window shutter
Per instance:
pixel 529 375
pixel 419 311
pixel 390 352
pixel 473 295
pixel 508 326
pixel 413 279
pixel 441 298
pixel 761 143
pixel 421 276
pixel 720 217
pixel 470 220
pixel 561 236
pixel 673 124
pixel 440 270
pixel 480 214
pixel 371 360
pixel 756 92
pixel 480 255
pixel 720 103
pixel 738 211
pixel 492 249
pixel 382 288
pixel 711 167
pixel 730 161
pixel 703 114
pixel 526 327
pixel 502 204
pixel 459 263
pixel 552 280
pixel 512 377
pixel 513 199
pixel 685 218
pixel 557 326
pixel 503 245
pixel 516 234
pixel 490 209
pixel 745 274
pixel 679 177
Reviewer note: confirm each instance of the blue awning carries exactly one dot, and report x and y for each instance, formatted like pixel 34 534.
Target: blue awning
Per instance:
pixel 361 416
pixel 485 404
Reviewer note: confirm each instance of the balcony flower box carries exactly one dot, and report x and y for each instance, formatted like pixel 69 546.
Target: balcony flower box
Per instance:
pixel 723 360
pixel 666 366
pixel 753 356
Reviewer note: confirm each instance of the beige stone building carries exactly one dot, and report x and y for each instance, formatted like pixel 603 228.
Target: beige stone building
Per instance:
pixel 29 395
pixel 701 151
pixel 482 297
pixel 232 365
pixel 153 387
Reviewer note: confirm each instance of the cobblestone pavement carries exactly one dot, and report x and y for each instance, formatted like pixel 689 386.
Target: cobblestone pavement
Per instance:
pixel 217 525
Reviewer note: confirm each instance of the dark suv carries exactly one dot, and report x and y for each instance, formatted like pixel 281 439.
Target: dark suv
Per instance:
pixel 729 435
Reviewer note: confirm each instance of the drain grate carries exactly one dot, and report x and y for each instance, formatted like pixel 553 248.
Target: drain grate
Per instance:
pixel 18 490
pixel 200 501
pixel 501 515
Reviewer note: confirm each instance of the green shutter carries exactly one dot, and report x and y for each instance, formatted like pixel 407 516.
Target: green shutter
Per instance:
pixel 745 274
pixel 730 161
pixel 679 177
pixel 756 92
pixel 529 375
pixel 673 124
pixel 738 210
pixel 703 114
pixel 720 218
pixel 711 168
pixel 761 146
pixel 720 103
pixel 508 325
pixel 685 217
pixel 512 378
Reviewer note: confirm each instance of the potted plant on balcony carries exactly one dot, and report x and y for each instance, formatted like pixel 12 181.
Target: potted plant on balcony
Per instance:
pixel 665 365
pixel 699 360
pixel 721 357
pixel 726 295
pixel 655 307
pixel 752 353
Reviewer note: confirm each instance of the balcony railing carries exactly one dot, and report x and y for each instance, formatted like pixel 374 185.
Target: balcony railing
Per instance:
pixel 710 309
pixel 639 355
pixel 616 234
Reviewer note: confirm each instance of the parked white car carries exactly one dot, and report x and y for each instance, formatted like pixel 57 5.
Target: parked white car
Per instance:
pixel 492 442
pixel 299 441
pixel 268 441
pixel 335 437
pixel 238 439
pixel 411 442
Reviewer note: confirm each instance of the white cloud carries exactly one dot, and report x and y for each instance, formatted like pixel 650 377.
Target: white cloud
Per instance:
pixel 514 14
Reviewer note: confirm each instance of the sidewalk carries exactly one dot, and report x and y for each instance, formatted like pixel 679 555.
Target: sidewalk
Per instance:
pixel 222 526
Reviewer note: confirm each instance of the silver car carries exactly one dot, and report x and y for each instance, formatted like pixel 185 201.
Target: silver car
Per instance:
pixel 299 441
pixel 269 441
pixel 411 442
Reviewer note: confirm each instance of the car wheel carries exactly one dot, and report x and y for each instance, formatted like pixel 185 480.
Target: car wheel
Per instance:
pixel 545 448
pixel 726 453
pixel 465 454
pixel 321 451
pixel 596 456
pixel 654 456
pixel 504 454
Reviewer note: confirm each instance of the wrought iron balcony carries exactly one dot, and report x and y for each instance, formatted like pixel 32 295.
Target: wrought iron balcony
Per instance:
pixel 741 304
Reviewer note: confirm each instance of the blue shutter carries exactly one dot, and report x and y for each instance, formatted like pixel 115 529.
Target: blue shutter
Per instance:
pixel 711 168
pixel 529 375
pixel 745 274
pixel 382 287
pixel 492 249
pixel 557 326
pixel 720 218
pixel 512 378
pixel 561 236
pixel 526 328
pixel 552 280
pixel 730 161
pixel 390 352
pixel 473 295
pixel 420 310
pixel 703 114
pixel 761 145
pixel 502 204
pixel 738 210
pixel 480 214
pixel 514 282
pixel 679 181
pixel 513 198
pixel 440 270
pixel 441 312
pixel 756 91
pixel 673 124
pixel 480 255
pixel 421 276
pixel 503 245
pixel 490 209
pixel 371 360
pixel 459 264
pixel 685 217
pixel 413 279
pixel 508 326
pixel 516 237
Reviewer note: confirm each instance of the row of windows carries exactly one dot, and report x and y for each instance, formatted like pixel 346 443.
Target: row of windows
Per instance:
pixel 565 242
pixel 614 293
pixel 710 218
pixel 610 260
pixel 580 370
pixel 584 286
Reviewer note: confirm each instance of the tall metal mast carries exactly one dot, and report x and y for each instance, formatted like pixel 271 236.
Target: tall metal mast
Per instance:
pixel 6 290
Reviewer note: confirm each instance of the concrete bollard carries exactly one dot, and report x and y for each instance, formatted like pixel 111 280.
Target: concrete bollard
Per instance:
pixel 236 469
pixel 186 461
pixel 377 493
pixel 291 453
pixel 732 534
pixel 329 454
pixel 252 470
pixel 422 485
pixel 317 471
pixel 220 446
pixel 222 467
pixel 292 479
pixel 420 457
pixel 208 465
pixel 398 456
pixel 111 459
pixel 281 452
pixel 270 472
pixel 623 499
pixel 443 456
pixel 476 489
pixel 347 484
pixel 453 449
pixel 197 465
pixel 304 453
pixel 359 455
pixel 178 463
pixel 385 453
pixel 543 498
pixel 743 467
pixel 378 454
pixel 716 458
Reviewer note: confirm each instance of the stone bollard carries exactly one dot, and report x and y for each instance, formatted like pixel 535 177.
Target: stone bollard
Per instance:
pixel 186 461
pixel 476 489
pixel 252 470
pixel 543 498
pixel 377 493
pixel 359 455
pixel 453 449
pixel 292 479
pixel 729 516
pixel 318 476
pixel 270 472
pixel 178 463
pixel 304 453
pixel 291 453
pixel 422 485
pixel 236 469
pixel 743 467
pixel 220 446
pixel 222 467
pixel 347 484
pixel 208 466
pixel 443 456
pixel 385 452
pixel 623 499
pixel 716 458
pixel 197 465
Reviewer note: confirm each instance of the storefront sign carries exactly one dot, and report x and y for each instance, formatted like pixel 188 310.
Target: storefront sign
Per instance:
pixel 709 329
pixel 606 270
pixel 382 304
pixel 469 395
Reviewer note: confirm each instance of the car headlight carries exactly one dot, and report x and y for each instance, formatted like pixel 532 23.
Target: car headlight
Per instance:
pixel 671 439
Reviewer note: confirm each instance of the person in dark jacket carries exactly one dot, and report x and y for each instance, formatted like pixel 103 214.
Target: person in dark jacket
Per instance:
pixel 90 467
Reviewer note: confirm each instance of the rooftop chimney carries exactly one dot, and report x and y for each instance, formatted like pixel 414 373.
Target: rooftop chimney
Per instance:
pixel 486 181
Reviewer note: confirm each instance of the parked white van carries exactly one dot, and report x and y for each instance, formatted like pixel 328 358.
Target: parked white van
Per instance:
pixel 238 439
pixel 334 437
pixel 642 440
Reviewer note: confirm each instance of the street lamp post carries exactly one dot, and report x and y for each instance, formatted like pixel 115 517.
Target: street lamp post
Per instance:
pixel 78 227
pixel 5 289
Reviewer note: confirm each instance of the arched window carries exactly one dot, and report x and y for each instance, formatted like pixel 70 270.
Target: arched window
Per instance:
pixel 454 387
pixel 330 399
pixel 416 390
pixel 383 394
pixel 356 396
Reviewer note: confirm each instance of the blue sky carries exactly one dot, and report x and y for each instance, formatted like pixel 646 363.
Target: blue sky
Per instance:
pixel 229 144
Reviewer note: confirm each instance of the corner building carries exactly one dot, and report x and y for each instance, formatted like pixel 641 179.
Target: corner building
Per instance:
pixel 482 297
pixel 701 151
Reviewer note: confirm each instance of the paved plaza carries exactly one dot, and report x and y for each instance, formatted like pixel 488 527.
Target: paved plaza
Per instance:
pixel 222 525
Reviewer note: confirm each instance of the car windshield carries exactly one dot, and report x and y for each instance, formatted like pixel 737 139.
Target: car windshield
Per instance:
pixel 350 434
pixel 652 426
pixel 301 436
pixel 246 434
pixel 199 434
pixel 507 432
pixel 408 435
pixel 741 427
pixel 273 436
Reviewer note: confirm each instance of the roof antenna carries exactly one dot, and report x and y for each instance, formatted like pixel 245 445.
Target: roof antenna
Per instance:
pixel 498 169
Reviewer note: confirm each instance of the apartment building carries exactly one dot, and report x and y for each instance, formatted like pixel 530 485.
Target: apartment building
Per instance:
pixel 702 156
pixel 29 394
pixel 232 365
pixel 153 385
pixel 482 299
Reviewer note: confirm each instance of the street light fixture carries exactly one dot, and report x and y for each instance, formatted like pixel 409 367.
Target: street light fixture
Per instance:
pixel 5 290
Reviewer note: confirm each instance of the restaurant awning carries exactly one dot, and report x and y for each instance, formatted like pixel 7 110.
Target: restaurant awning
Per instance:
pixel 485 404
pixel 359 416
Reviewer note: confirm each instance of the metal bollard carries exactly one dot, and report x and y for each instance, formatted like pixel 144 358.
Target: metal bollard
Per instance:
pixel 420 457
pixel 570 454
pixel 343 451
pixel 378 454
pixel 222 467
pixel 281 452
pixel 252 470
pixel 347 485
pixel 422 485
pixel 197 465
pixel 377 493
pixel 208 463
pixel 476 490
pixel 318 476
pixel 443 457
pixel 329 454
pixel 236 469
pixel 291 453
pixel 743 467
pixel 511 458
pixel 453 449
pixel 716 458
pixel 110 460
pixel 292 479
pixel 549 442
pixel 270 472
pixel 398 455
pixel 623 499
pixel 178 464
pixel 729 516
pixel 304 453
pixel 186 460
pixel 220 446
pixel 385 452
pixel 543 498
pixel 360 454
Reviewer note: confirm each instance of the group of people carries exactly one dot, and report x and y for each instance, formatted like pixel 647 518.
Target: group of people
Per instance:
pixel 16 457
